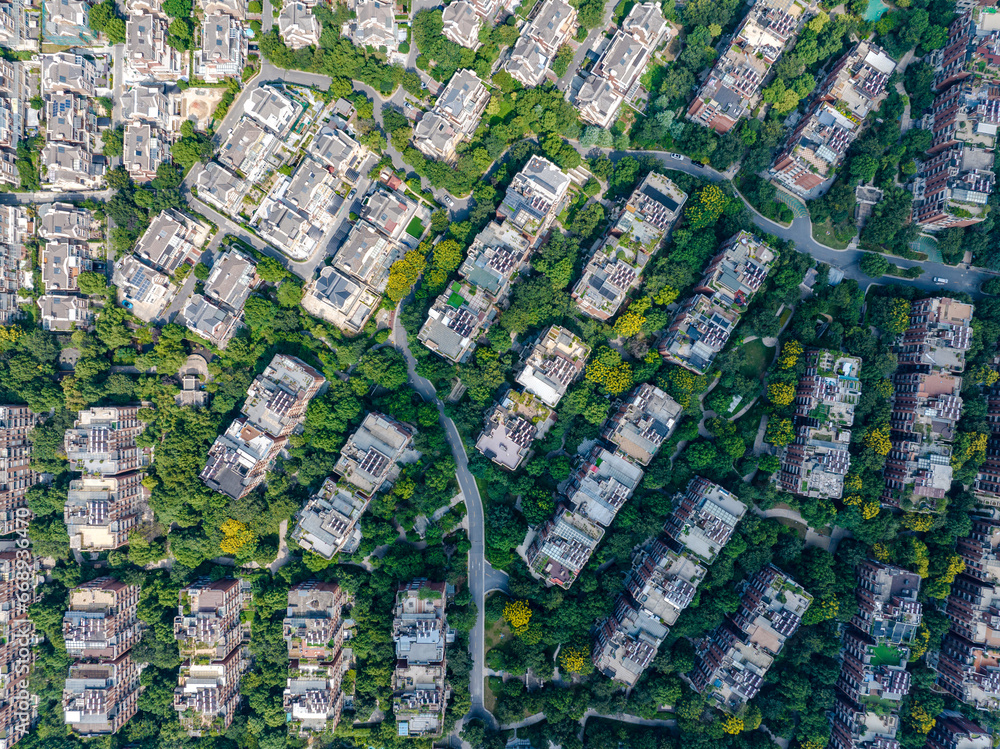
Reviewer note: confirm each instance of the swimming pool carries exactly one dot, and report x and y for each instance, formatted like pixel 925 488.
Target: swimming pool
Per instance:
pixel 876 8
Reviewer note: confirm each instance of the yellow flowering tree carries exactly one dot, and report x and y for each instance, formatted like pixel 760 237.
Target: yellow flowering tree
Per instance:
pixel 705 209
pixel 916 521
pixel 920 720
pixel 881 552
pixel 883 389
pixel 607 369
pixel 822 610
pixel 236 535
pixel 853 482
pixel 779 432
pixel 679 383
pixel 9 335
pixel 898 317
pixel 403 274
pixel 852 499
pixel 630 322
pixel 517 614
pixel 940 586
pixel 575 660
pixel 920 642
pixel 983 375
pixel 732 725
pixel 877 440
pixel 666 295
pixel 781 394
pixel 970 447
pixel 870 509
pixel 790 352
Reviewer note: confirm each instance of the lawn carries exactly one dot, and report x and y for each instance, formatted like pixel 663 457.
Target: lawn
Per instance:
pixel 759 358
pixel 415 228
pixel 885 655
pixel 826 234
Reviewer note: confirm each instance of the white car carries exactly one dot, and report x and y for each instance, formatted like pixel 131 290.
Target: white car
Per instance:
pixel 940 281
pixel 677 156
pixel 448 201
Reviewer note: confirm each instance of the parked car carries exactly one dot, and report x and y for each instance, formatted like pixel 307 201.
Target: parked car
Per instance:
pixel 940 281
pixel 352 193
pixel 676 156
pixel 448 201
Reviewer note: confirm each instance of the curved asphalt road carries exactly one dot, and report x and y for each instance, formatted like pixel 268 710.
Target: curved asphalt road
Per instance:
pixel 480 570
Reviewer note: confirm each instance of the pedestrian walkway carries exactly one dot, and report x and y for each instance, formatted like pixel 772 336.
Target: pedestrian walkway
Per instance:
pixel 799 209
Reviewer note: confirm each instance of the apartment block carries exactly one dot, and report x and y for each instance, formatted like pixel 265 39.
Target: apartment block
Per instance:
pixel 927 403
pixel 207 695
pixel 967 112
pixel 601 485
pixel 614 80
pixel 102 622
pixel 734 85
pixel 952 730
pixel 172 240
pixel 420 632
pixel 369 461
pixel 146 50
pixel 554 362
pixel 16 475
pixel 855 88
pixel 276 405
pixel 888 609
pixel 100 698
pixel 536 195
pixel 987 486
pixel 497 255
pixel 704 519
pixel 969 53
pixel 968 671
pixel 511 427
pixel 952 188
pixel 642 422
pixel 861 726
pixel 562 547
pixel 454 117
pixel 816 462
pixel 551 26
pixel 103 441
pixel 616 267
pixel 314 630
pixel 660 585
pixel 456 320
pixel 101 511
pixel 731 661
pixel 705 321
pixel 328 523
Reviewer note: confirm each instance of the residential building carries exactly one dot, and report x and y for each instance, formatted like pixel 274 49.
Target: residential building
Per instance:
pixel 374 25
pixel 142 290
pixel 599 102
pixel 288 228
pixel 233 277
pixel 272 108
pixel 65 71
pixel 224 48
pixel 816 462
pixel 220 188
pixel 340 300
pixel 601 484
pixel 420 632
pixel 850 92
pixel 987 484
pixel 952 188
pixel 952 730
pixel 239 458
pixel 535 196
pixel 732 660
pixel 454 118
pixel 314 630
pixel 171 240
pixel 147 52
pixel 555 361
pixel 660 585
pixel 298 26
pixel 616 267
pixel 100 698
pixel 970 51
pixel 562 547
pixel 968 671
pixel 389 211
pixel 704 323
pixel 101 511
pixel 67 22
pixel 311 189
pixel 247 149
pixel 704 518
pixel 71 167
pixel 63 313
pixel 552 26
pixel 456 320
pixel 103 441
pixel 148 102
pixel 334 147
pixel 209 618
pixel 16 475
pixel 66 221
pixel 888 609
pixel 861 726
pixel 462 24
pixel 642 422
pixel 967 112
pixel 69 119
pixel 369 461
pixel 14 264
pixel 647 24
pixel 734 85
pixel 975 593
pixel 102 622
pixel 497 255
pixel 616 75
pixel 366 255
pixel 328 524
pixel 511 427
pixel 144 151
pixel 926 403
pixel 207 319
pixel 62 263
